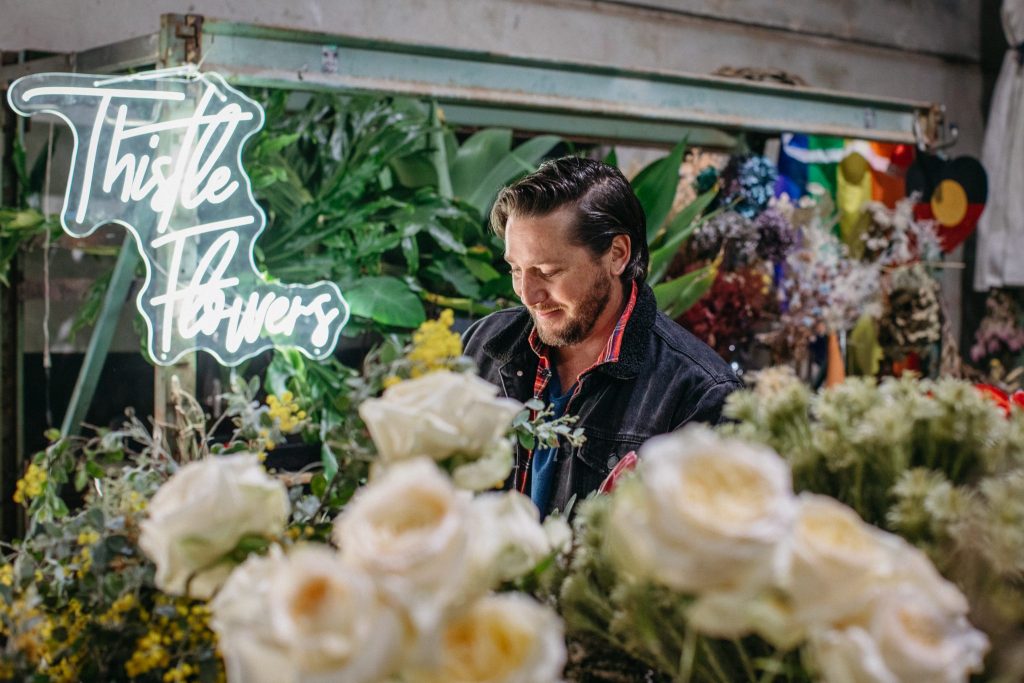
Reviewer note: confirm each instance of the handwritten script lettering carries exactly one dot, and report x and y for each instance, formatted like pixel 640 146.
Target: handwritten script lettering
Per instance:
pixel 160 154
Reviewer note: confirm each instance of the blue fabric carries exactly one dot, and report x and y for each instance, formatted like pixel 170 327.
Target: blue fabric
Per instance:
pixel 542 470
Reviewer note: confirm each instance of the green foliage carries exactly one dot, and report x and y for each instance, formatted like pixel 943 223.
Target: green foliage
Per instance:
pixel 676 296
pixel 350 198
pixel 486 161
pixel 656 186
pixel 18 229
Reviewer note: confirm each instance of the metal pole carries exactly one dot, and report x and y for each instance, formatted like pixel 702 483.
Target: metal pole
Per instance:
pixel 102 335
pixel 11 408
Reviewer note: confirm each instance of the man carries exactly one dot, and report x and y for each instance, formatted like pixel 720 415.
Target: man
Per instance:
pixel 589 338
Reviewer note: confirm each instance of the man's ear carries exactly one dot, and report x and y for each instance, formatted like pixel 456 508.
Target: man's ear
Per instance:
pixel 620 252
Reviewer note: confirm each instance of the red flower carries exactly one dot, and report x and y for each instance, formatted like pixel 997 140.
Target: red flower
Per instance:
pixel 1000 397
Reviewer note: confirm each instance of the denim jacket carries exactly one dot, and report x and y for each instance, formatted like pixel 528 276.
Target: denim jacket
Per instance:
pixel 664 378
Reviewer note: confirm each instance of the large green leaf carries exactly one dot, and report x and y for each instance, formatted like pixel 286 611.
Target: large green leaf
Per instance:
pixel 385 300
pixel 655 187
pixel 415 170
pixel 523 159
pixel 457 275
pixel 676 296
pixel 676 233
pixel 476 157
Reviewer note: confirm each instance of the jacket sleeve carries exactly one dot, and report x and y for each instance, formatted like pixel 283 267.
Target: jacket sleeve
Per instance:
pixel 708 407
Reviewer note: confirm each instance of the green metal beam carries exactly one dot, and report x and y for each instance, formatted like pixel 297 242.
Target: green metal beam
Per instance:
pixel 102 335
pixel 481 88
pixel 281 58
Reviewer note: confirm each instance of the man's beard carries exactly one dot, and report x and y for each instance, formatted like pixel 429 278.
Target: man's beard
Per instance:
pixel 578 327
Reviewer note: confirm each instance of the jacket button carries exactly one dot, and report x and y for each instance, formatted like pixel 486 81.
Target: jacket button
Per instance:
pixel 519 373
pixel 613 461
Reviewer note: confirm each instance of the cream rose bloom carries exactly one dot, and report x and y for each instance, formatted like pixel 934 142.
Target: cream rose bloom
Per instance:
pixel 907 637
pixel 239 618
pixel 508 539
pixel 200 514
pixel 439 415
pixel 332 620
pixel 303 618
pixel 410 529
pixel 834 563
pixel 506 638
pixel 703 514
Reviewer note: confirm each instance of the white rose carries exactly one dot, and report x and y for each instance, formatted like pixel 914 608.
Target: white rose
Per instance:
pixel 438 415
pixel 508 540
pixel 202 512
pixel 252 654
pixel 409 529
pixel 906 638
pixel 739 613
pixel 488 472
pixel 332 620
pixel 834 563
pixel 506 638
pixel 704 513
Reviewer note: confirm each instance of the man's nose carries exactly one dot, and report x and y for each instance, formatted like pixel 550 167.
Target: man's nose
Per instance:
pixel 531 290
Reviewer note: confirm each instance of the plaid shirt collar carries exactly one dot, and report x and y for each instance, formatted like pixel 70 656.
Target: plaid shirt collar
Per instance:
pixel 610 354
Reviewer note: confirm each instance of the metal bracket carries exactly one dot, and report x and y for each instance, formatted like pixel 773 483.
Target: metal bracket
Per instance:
pixel 190 31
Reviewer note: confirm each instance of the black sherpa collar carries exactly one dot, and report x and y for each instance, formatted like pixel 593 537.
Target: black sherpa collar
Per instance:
pixel 513 341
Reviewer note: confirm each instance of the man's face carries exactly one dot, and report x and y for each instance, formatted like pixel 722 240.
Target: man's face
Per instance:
pixel 563 286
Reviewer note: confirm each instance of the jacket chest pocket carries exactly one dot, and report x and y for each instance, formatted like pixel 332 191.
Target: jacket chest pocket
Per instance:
pixel 602 451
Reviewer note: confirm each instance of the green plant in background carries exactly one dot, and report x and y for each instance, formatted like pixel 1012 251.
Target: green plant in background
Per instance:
pixel 22 224
pixel 376 195
pixel 655 186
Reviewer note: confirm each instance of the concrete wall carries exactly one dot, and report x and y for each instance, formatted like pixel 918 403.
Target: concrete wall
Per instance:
pixel 918 49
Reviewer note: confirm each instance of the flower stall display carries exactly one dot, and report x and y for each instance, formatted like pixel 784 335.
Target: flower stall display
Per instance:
pixel 787 278
pixel 866 532
pixel 172 557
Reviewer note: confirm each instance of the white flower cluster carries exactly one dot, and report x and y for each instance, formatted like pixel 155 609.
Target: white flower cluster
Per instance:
pixel 718 519
pixel 445 415
pixel 406 592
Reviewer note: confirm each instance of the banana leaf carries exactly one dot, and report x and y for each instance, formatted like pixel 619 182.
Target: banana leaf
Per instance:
pixel 676 233
pixel 486 162
pixel 655 187
pixel 675 297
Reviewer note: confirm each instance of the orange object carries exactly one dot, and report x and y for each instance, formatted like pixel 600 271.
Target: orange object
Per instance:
pixel 836 373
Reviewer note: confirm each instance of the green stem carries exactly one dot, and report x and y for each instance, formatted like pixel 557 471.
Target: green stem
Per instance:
pixel 716 666
pixel 745 659
pixel 688 656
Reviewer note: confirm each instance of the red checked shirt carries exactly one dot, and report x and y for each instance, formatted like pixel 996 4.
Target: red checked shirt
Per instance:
pixel 543 376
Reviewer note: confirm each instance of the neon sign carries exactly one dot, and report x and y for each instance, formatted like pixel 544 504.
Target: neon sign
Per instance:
pixel 160 154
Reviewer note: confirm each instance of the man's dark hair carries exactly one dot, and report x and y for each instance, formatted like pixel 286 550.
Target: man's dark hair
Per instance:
pixel 604 203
